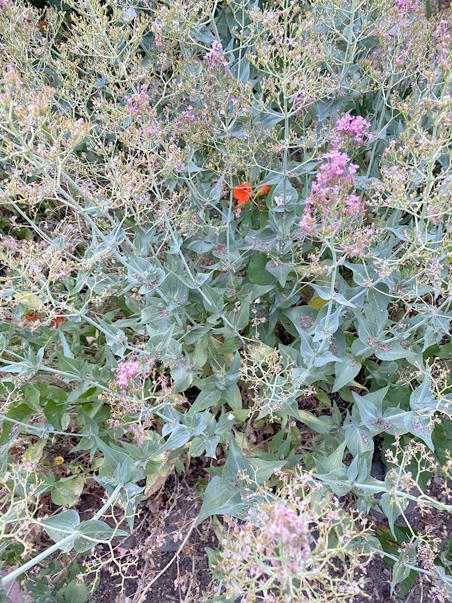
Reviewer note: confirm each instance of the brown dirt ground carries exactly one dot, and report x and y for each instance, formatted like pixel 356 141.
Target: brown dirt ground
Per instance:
pixel 166 521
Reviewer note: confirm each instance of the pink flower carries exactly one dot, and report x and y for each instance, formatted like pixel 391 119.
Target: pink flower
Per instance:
pixel 354 205
pixel 189 114
pixel 215 57
pixel 140 101
pixel 284 527
pixel 406 6
pixel 354 127
pixel 334 178
pixel 307 223
pixel 332 195
pixel 126 373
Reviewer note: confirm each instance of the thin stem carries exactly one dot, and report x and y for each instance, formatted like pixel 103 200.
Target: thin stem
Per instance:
pixel 447 579
pixel 58 545
pixel 35 428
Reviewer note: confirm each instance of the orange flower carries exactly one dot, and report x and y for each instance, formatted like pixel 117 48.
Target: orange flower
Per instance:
pixel 242 192
pixel 264 190
pixel 365 204
pixel 58 320
pixel 31 317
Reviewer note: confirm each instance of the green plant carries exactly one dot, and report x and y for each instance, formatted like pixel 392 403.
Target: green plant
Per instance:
pixel 217 217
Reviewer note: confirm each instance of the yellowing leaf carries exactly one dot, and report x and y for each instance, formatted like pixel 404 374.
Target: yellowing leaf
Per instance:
pixel 158 471
pixel 97 462
pixel 323 398
pixel 216 344
pixel 243 443
pixel 356 384
pixel 229 358
pixel 302 270
pixel 67 491
pixel 317 303
pixel 34 453
pixel 29 300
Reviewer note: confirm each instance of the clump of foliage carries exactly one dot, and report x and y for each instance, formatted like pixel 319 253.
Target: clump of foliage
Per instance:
pixel 219 216
pixel 292 545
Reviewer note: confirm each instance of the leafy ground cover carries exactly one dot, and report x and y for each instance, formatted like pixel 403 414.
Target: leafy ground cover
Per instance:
pixel 225 246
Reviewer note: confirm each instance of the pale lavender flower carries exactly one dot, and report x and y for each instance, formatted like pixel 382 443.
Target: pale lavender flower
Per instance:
pixel 445 44
pixel 358 243
pixel 331 195
pixel 189 115
pixel 126 373
pixel 215 57
pixel 140 101
pixel 354 127
pixel 180 167
pixel 283 526
pixel 407 6
pixel 302 102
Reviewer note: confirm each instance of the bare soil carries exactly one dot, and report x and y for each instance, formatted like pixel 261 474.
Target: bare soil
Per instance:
pixel 168 552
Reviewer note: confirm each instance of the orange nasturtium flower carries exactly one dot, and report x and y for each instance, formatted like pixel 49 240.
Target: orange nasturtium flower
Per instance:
pixel 363 201
pixel 31 317
pixel 58 320
pixel 242 192
pixel 263 190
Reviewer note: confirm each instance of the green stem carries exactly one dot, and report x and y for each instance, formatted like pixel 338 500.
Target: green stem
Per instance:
pixel 349 41
pixel 48 369
pixel 330 301
pixel 447 579
pixel 398 494
pixel 77 435
pixel 58 545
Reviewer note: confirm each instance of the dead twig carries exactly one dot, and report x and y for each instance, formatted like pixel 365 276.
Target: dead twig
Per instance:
pixel 139 596
pixel 191 581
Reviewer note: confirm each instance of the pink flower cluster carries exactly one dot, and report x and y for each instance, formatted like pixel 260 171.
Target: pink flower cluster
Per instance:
pixel 406 6
pixel 9 242
pixel 330 196
pixel 285 527
pixel 353 127
pixel 126 373
pixel 445 41
pixel 190 115
pixel 140 101
pixel 215 57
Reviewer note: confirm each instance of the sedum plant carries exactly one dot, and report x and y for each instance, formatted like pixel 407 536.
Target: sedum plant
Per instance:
pixel 217 216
